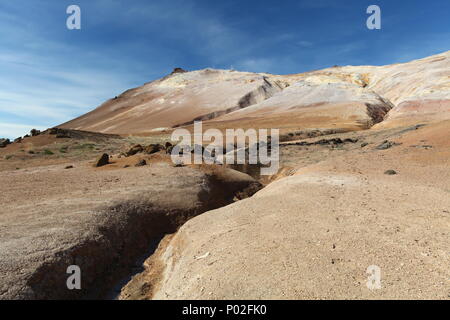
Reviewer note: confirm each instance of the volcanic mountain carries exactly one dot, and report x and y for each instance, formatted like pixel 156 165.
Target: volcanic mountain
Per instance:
pixel 338 97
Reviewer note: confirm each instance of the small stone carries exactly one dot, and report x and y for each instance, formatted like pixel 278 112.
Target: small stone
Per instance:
pixel 141 163
pixel 178 164
pixel 390 172
pixel 386 145
pixel 68 167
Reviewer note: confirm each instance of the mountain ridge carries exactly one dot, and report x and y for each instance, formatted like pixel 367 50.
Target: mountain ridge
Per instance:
pixel 338 95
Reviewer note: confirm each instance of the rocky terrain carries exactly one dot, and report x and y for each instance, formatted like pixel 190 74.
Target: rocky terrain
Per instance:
pixel 364 180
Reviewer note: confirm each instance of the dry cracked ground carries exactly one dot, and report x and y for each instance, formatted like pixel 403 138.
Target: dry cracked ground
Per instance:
pixel 364 180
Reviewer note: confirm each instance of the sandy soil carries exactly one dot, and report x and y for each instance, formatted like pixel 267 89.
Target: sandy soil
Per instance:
pixel 313 234
pixel 101 219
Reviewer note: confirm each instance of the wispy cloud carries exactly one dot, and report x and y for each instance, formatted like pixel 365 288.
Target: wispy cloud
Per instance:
pixel 49 75
pixel 14 130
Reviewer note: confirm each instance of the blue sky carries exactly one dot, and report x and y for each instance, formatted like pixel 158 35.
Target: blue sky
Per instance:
pixel 49 74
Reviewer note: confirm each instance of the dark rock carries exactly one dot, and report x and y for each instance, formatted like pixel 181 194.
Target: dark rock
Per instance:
pixel 168 145
pixel 153 148
pixel 364 144
pixel 386 145
pixel 68 167
pixel 390 172
pixel 62 134
pixel 134 150
pixel 18 140
pixel 169 150
pixel 178 70
pixel 102 160
pixel 4 142
pixel 141 163
pixel 35 132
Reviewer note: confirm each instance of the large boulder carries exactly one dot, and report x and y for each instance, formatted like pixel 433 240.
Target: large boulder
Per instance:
pixel 4 142
pixel 35 132
pixel 103 160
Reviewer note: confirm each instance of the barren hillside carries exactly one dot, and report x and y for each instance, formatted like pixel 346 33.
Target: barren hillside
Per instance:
pixel 363 180
pixel 339 97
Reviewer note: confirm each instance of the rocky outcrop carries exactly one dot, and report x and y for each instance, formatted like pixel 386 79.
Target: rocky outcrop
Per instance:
pixel 4 142
pixel 348 97
pixel 35 132
pixel 101 161
pixel 134 150
pixel 153 148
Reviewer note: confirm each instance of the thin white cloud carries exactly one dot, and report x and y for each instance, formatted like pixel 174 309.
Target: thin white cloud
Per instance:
pixel 14 130
pixel 305 44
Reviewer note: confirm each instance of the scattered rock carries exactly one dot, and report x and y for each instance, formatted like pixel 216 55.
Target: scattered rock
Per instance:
pixel 141 163
pixel 364 144
pixel 168 145
pixel 18 140
pixel 61 135
pixel 390 172
pixel 4 142
pixel 134 150
pixel 426 147
pixel 333 141
pixel 178 70
pixel 68 167
pixel 102 160
pixel 153 148
pixel 35 132
pixel 126 166
pixel 386 145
